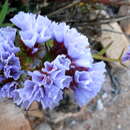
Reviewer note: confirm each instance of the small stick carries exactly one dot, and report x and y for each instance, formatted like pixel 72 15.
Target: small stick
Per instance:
pixel 100 21
pixel 108 2
pixel 70 115
pixel 61 9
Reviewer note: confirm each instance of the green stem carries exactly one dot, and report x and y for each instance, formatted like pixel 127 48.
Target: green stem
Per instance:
pixel 99 57
pixel 103 51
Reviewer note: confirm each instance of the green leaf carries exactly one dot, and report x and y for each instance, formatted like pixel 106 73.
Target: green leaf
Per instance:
pixel 6 24
pixel 12 10
pixel 49 43
pixel 4 11
pixel 103 51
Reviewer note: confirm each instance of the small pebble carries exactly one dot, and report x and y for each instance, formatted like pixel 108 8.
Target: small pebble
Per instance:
pixel 43 126
pixel 105 95
pixel 73 122
pixel 100 105
pixel 119 126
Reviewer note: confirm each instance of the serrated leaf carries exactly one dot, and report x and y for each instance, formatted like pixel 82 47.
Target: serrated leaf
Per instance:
pixel 4 11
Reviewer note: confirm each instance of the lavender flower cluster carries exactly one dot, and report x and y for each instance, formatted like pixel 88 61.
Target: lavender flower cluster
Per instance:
pixel 126 56
pixel 66 63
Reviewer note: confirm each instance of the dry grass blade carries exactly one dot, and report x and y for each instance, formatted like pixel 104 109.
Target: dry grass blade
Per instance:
pixel 61 9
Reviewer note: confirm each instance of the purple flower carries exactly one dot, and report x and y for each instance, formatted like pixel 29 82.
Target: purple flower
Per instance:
pixel 25 96
pixel 7 37
pixel 12 60
pixel 127 55
pixel 58 31
pixel 8 34
pixel 88 83
pixel 72 65
pixel 34 29
pixel 29 38
pixel 46 87
pixel 12 72
pixel 38 31
pixel 2 78
pixel 62 62
pixel 73 38
pixel 33 92
pixel 82 58
pixel 44 32
pixel 5 47
pixel 74 43
pixel 25 21
pixel 9 63
pixel 7 90
pixel 49 67
pixel 4 56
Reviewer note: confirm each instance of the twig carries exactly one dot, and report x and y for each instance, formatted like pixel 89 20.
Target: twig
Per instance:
pixel 98 57
pixel 70 115
pixel 105 30
pixel 61 9
pixel 115 3
pixel 100 21
pixel 112 31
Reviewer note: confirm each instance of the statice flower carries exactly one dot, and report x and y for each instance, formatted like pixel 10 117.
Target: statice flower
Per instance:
pixel 87 76
pixel 34 28
pixel 10 68
pixel 88 83
pixel 25 21
pixel 62 62
pixel 10 64
pixel 45 87
pixel 75 44
pixel 7 90
pixel 126 55
pixel 58 31
pixel 7 37
pixel 8 34
pixel 54 57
